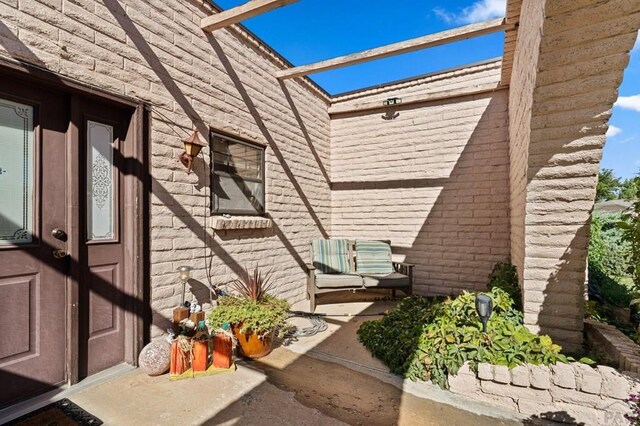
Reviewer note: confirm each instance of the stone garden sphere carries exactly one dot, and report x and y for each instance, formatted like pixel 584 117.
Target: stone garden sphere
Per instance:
pixel 155 358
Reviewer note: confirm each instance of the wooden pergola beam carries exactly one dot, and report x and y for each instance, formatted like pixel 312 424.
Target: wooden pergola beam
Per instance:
pixel 347 107
pixel 431 40
pixel 240 13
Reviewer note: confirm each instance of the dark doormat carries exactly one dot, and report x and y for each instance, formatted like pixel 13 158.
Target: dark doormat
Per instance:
pixel 60 413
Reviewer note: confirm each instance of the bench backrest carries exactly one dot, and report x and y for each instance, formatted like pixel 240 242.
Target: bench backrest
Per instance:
pixel 352 252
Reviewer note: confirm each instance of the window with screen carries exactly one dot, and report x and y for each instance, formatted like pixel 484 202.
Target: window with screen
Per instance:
pixel 238 176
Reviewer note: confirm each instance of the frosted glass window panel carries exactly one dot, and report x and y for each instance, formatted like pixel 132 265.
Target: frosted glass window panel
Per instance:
pixel 101 184
pixel 16 173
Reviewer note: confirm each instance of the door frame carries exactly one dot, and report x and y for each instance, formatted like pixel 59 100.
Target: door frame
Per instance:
pixel 137 317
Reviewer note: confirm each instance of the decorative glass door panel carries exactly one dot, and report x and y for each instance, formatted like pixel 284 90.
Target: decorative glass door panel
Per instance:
pixel 101 183
pixel 16 173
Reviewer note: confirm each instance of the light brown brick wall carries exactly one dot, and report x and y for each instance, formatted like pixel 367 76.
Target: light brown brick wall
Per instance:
pixel 582 54
pixel 433 180
pixel 155 51
pixel 523 78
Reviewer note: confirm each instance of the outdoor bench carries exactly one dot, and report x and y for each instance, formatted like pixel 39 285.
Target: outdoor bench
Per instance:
pixel 340 265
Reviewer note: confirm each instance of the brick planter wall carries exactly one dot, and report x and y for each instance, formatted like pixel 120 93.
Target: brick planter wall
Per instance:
pixel 612 343
pixel 569 393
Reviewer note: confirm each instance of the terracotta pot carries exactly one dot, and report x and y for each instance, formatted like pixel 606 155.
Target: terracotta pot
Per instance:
pixel 251 345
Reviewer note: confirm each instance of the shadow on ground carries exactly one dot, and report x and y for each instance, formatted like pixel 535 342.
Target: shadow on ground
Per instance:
pixel 340 393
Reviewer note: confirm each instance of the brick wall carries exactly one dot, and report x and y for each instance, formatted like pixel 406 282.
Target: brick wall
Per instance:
pixel 155 51
pixel 581 57
pixel 523 78
pixel 433 180
pixel 571 393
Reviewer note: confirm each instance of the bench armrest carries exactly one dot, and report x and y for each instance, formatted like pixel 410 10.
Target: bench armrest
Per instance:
pixel 310 266
pixel 406 269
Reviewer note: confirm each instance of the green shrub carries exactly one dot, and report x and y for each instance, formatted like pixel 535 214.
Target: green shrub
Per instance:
pixel 505 277
pixel 630 227
pixel 427 339
pixel 607 290
pixel 608 249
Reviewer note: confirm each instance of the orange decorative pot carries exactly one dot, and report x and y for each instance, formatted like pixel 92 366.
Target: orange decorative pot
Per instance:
pixel 200 355
pixel 253 346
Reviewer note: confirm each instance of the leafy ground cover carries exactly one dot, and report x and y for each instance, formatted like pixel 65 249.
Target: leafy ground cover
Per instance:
pixel 429 338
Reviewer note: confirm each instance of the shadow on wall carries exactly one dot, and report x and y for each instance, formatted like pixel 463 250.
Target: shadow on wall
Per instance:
pixel 305 133
pixel 233 75
pixel 465 229
pixel 18 50
pixel 156 65
pixel 562 294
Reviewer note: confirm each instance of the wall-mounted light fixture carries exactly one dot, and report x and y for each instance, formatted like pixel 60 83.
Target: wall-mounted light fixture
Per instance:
pixel 192 146
pixel 391 101
pixel 390 114
pixel 484 307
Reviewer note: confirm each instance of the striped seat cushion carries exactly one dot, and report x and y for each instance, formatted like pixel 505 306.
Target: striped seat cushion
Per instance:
pixel 331 256
pixel 373 257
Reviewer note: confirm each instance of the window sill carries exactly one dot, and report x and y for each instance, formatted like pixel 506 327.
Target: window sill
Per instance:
pixel 240 222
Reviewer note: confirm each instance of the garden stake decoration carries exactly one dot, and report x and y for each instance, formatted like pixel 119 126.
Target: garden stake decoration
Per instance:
pixel 484 307
pixel 185 276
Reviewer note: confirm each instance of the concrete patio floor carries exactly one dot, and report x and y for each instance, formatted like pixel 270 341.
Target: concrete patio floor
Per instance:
pixel 326 379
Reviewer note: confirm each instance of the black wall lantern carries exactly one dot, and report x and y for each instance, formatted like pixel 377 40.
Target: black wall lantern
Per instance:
pixel 484 307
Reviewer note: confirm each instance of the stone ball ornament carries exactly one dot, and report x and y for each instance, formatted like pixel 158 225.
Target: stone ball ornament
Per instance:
pixel 155 357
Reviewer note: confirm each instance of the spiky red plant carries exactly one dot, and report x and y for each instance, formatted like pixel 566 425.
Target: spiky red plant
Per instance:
pixel 253 286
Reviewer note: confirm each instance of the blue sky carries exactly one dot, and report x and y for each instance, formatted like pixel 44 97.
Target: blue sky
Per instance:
pixel 313 30
pixel 622 151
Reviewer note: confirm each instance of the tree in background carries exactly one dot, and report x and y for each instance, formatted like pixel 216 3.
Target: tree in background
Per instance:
pixel 611 187
pixel 608 186
pixel 629 188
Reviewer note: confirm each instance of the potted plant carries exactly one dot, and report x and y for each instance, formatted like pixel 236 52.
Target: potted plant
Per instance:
pixel 253 313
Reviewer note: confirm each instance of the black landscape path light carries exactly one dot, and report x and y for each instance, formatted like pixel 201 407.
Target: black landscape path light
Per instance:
pixel 484 307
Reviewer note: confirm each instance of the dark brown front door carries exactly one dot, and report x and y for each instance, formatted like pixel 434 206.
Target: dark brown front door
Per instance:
pixel 33 328
pixel 65 160
pixel 103 135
